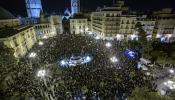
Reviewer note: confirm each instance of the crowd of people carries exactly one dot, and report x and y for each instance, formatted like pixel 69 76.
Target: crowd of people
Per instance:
pixel 99 79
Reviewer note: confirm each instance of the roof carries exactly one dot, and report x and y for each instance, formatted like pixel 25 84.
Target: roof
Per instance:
pixel 5 33
pixel 78 16
pixel 4 14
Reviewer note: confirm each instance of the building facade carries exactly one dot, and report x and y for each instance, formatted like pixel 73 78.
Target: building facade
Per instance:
pixel 78 25
pixel 127 26
pixel 56 21
pixel 34 8
pixel 9 23
pixel 20 39
pixel 111 22
pixel 165 24
pixel 45 30
pixel 106 23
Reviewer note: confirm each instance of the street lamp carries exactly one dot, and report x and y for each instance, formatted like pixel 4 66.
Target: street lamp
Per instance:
pixel 97 37
pixel 90 33
pixel 45 37
pixel 114 59
pixel 134 37
pixel 63 63
pixel 148 74
pixel 32 55
pixel 118 37
pixel 41 73
pixel 171 71
pixel 108 44
pixel 162 92
pixel 41 43
pixel 87 29
pixel 87 59
pixel 170 84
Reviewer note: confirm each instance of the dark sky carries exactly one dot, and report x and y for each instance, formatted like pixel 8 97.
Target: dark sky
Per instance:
pixel 17 7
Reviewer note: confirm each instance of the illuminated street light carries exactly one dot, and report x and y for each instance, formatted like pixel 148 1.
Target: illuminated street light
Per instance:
pixel 32 55
pixel 170 84
pixel 108 44
pixel 169 35
pixel 119 37
pixel 97 37
pixel 158 36
pixel 87 59
pixel 81 30
pixel 84 97
pixel 134 37
pixel 41 73
pixel 114 59
pixel 63 63
pixel 162 92
pixel 45 37
pixel 87 29
pixel 90 33
pixel 148 74
pixel 41 43
pixel 171 71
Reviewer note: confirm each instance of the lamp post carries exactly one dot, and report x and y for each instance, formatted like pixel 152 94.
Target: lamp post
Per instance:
pixel 32 55
pixel 114 59
pixel 97 37
pixel 40 43
pixel 108 44
pixel 42 74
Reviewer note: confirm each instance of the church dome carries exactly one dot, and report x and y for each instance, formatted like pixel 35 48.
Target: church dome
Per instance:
pixel 4 14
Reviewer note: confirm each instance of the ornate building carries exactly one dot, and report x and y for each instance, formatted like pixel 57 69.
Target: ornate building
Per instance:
pixel 78 24
pixel 20 39
pixel 113 22
pixel 34 8
pixel 46 28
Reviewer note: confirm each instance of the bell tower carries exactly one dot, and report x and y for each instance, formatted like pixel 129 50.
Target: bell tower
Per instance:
pixel 75 6
pixel 34 8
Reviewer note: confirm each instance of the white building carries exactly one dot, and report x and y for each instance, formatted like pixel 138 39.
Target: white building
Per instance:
pixel 78 25
pixel 165 23
pixel 113 22
pixel 148 25
pixel 46 28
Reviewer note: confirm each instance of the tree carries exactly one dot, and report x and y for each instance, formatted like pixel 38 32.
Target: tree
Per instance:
pixel 7 65
pixel 145 45
pixel 7 61
pixel 172 96
pixel 146 94
pixel 141 34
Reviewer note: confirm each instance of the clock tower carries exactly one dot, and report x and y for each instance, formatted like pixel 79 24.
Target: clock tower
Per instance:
pixel 75 6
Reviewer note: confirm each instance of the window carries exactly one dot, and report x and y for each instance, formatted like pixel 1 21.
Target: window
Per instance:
pixel 73 32
pixel 127 22
pixel 107 15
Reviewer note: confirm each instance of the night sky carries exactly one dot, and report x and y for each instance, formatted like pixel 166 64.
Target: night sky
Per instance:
pixel 17 7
